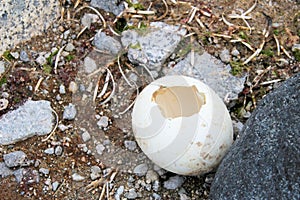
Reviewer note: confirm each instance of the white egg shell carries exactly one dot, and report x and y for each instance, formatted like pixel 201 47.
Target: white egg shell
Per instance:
pixel 182 125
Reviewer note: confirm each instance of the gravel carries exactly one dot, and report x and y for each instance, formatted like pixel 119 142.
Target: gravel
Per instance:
pixel 130 145
pixel 89 65
pixel 49 151
pixel 174 182
pixel 141 169
pixel 14 159
pixel 44 171
pixel 69 112
pixel 77 177
pixel 24 56
pixel 58 150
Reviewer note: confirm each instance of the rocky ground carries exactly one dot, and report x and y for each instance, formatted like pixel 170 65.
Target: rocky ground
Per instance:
pixel 80 143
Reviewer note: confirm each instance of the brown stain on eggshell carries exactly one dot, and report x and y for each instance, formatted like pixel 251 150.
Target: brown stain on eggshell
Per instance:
pixel 179 101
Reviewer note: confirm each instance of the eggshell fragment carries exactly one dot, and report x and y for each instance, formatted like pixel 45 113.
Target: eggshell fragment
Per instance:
pixel 182 125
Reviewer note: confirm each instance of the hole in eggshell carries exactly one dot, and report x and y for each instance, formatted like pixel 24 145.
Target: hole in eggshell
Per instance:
pixel 179 101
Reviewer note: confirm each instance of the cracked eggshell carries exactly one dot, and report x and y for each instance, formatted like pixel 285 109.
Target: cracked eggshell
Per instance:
pixel 182 125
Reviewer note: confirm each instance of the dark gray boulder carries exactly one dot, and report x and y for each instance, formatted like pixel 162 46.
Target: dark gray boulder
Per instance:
pixel 264 163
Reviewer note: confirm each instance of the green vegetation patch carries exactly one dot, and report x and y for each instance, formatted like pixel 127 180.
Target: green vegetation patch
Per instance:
pixel 236 68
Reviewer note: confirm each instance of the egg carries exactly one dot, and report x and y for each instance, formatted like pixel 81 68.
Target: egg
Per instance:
pixel 182 125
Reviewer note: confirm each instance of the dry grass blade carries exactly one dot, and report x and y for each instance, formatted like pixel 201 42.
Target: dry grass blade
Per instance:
pixel 102 193
pixel 38 84
pixel 148 71
pixel 113 90
pixel 270 82
pixel 105 86
pixel 57 59
pixel 78 35
pixel 94 184
pixel 257 52
pixel 125 78
pixel 124 111
pixel 251 8
pixel 55 127
pixel 166 11
pixel 285 52
pixel 244 43
pixel 193 13
pixel 277 44
pixel 77 3
pixel 96 11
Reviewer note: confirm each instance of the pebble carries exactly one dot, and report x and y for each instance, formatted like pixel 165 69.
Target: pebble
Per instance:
pixel 130 145
pixel 14 159
pixel 62 89
pixel 41 60
pixel 88 19
pixel 18 174
pixel 44 171
pixel 5 94
pixel 4 170
pixel 15 54
pixel 69 47
pixel 63 127
pixel 31 118
pixel 107 43
pixel 49 151
pixel 103 122
pixel 296 47
pixel 173 182
pixel 156 196
pixel 235 52
pixel 95 172
pixel 2 67
pixel 100 148
pixel 225 56
pixel 141 169
pixel 131 194
pixel 3 104
pixel 119 192
pixel 89 65
pixel 151 176
pixel 24 56
pixel 109 6
pixel 69 112
pixel 58 97
pixel 58 150
pixel 77 177
pixel 86 136
pixel 73 87
pixel 55 185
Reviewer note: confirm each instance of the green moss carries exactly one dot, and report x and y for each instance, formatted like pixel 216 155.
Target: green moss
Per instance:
pixel 268 52
pixel 243 35
pixel 276 32
pixel 70 57
pixel 3 80
pixel 7 55
pixel 47 68
pixel 49 59
pixel 236 68
pixel 297 55
pixel 136 6
pixel 182 52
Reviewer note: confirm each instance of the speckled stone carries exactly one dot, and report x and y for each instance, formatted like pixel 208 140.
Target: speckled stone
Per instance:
pixel 22 19
pixel 264 161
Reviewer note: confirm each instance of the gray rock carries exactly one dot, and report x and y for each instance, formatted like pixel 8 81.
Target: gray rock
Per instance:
pixel 32 118
pixel 69 112
pixel 156 196
pixel 44 171
pixel 16 55
pixel 86 136
pixel 174 182
pixel 19 174
pixel 62 89
pixel 2 67
pixel 88 19
pixel 212 72
pixel 119 192
pixel 112 6
pixel 100 148
pixel 264 161
pixel 73 87
pixel 95 172
pixel 4 170
pixel 130 145
pixel 89 65
pixel 107 43
pixel 141 169
pixel 58 150
pixel 14 159
pixel 49 151
pixel 41 60
pixel 225 56
pixel 55 185
pixel 103 122
pixel 69 47
pixel 154 45
pixel 151 176
pixel 24 56
pixel 77 177
pixel 131 194
pixel 3 104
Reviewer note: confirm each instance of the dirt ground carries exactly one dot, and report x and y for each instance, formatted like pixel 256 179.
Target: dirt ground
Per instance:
pixel 265 53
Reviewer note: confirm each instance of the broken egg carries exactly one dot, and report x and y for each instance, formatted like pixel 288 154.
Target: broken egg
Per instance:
pixel 182 125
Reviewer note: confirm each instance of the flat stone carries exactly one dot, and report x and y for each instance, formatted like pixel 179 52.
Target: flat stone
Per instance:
pixel 130 145
pixel 19 174
pixel 103 122
pixel 77 177
pixel 89 65
pixel 131 194
pixel 44 171
pixel 14 159
pixel 58 150
pixel 24 56
pixel 211 71
pixel 100 148
pixel 264 161
pixel 174 182
pixel 88 19
pixel 49 151
pixel 141 169
pixel 69 112
pixel 4 170
pixel 152 46
pixel 22 19
pixel 119 192
pixel 95 172
pixel 2 67
pixel 112 6
pixel 30 119
pixel 55 185
pixel 225 56
pixel 86 136
pixel 107 43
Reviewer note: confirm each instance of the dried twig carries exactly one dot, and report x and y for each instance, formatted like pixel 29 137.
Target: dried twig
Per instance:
pixel 55 127
pixel 96 11
pixel 57 58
